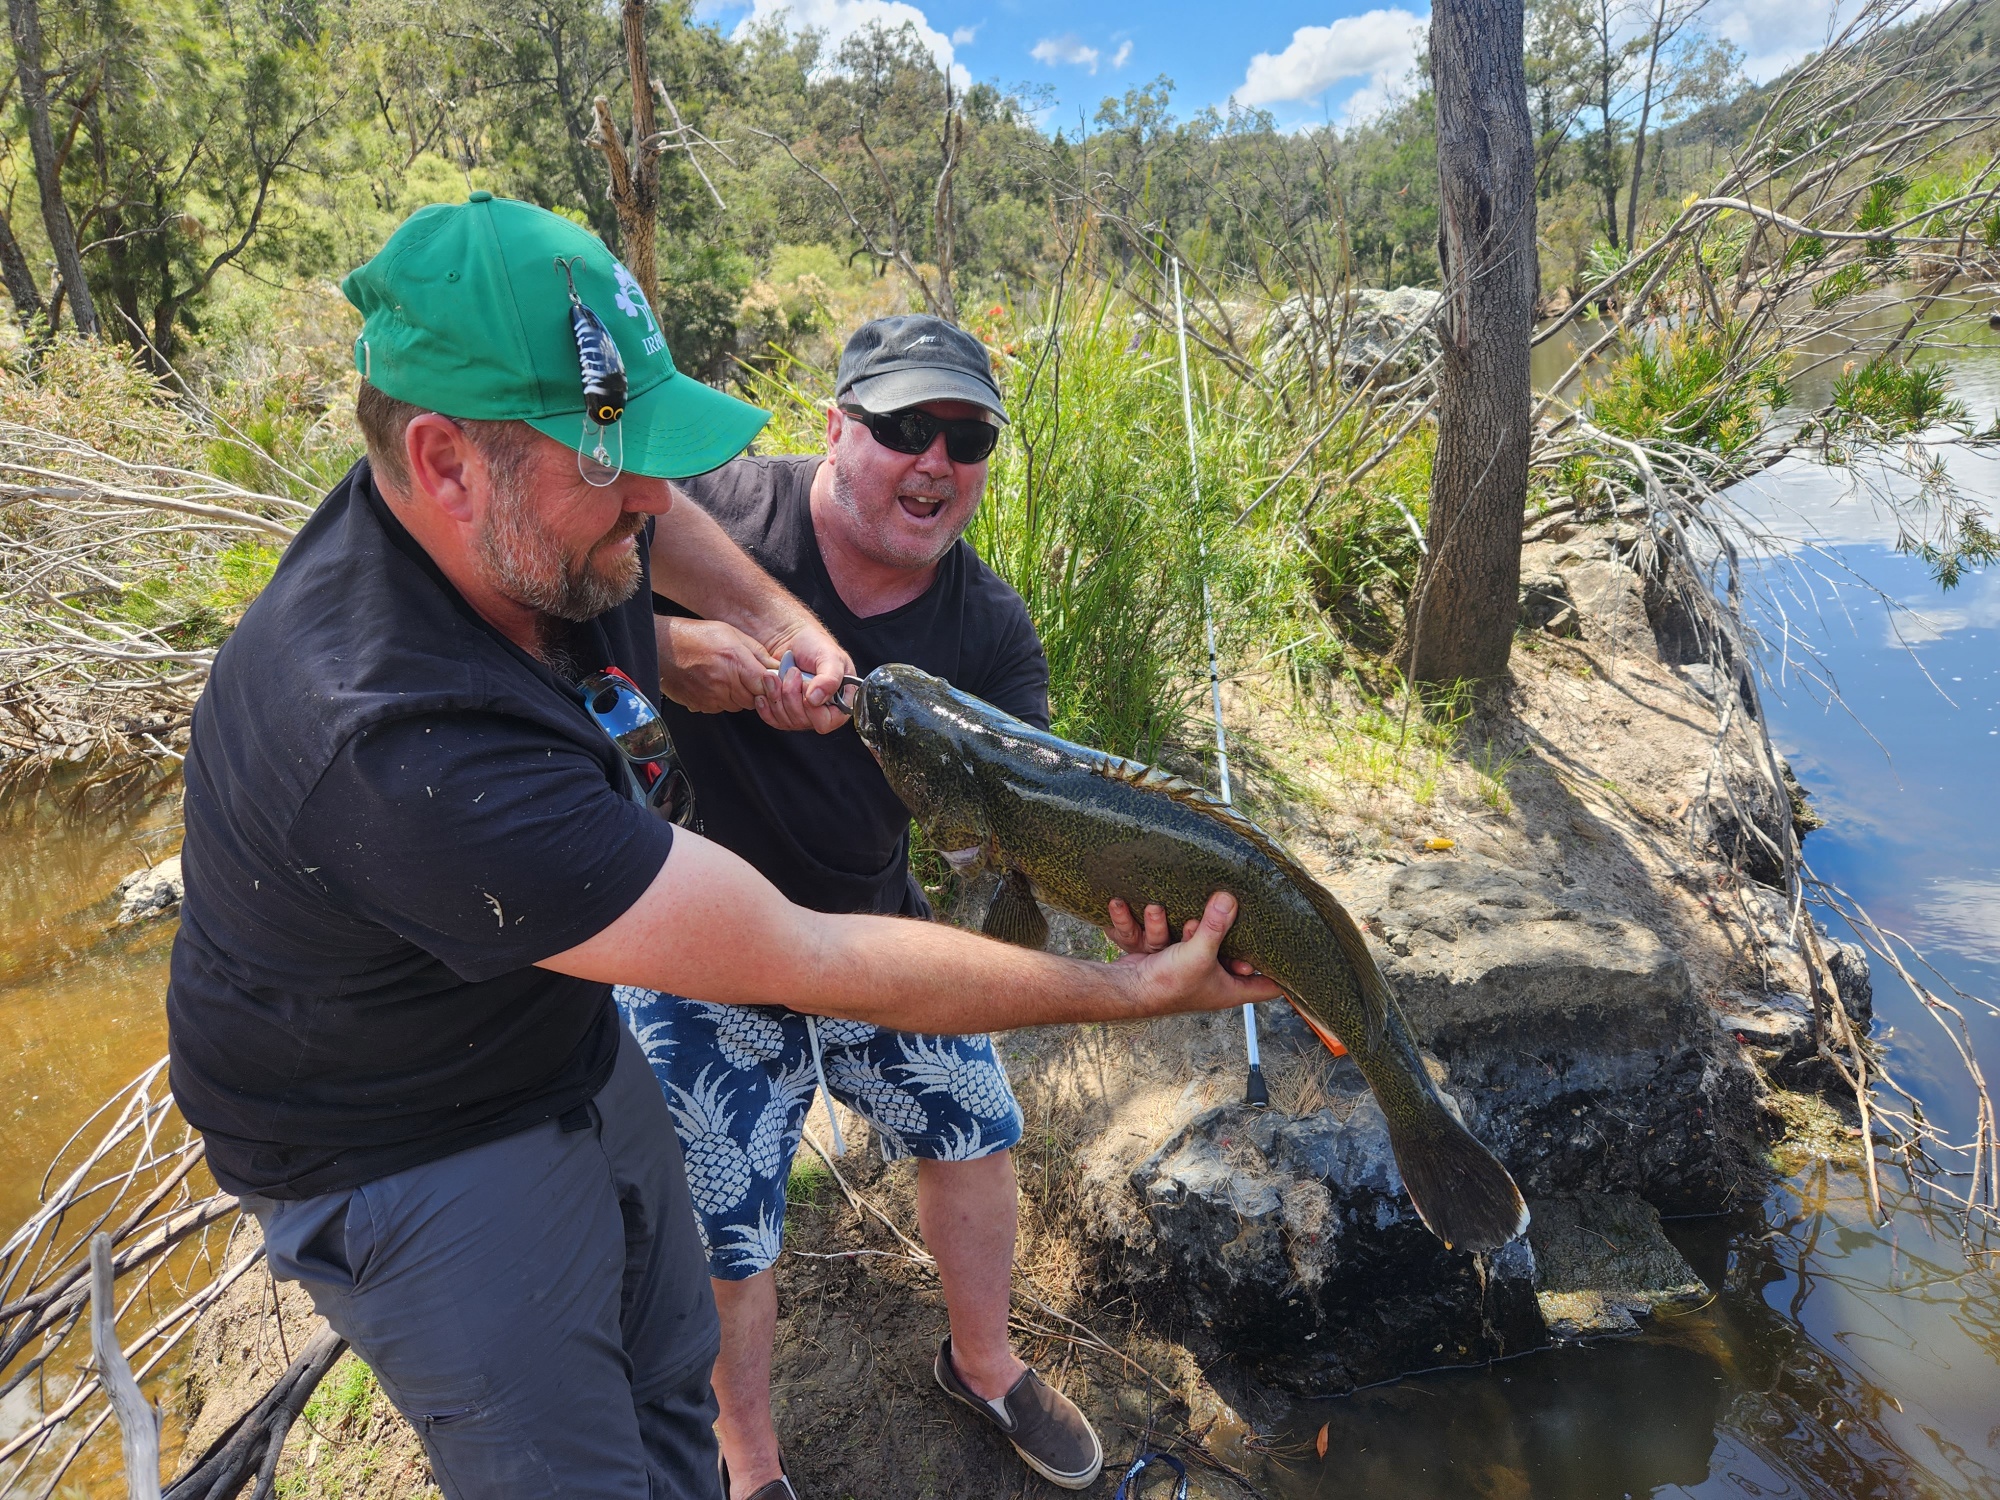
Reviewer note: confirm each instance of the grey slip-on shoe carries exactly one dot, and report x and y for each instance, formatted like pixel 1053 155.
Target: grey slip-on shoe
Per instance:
pixel 778 1489
pixel 1045 1427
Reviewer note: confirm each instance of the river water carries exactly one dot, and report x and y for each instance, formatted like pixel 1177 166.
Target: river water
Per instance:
pixel 1837 1359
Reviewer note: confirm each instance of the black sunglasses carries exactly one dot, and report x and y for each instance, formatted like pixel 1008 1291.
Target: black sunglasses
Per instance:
pixel 967 440
pixel 631 723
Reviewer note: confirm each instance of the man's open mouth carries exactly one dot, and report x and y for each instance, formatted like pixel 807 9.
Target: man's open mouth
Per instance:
pixel 920 507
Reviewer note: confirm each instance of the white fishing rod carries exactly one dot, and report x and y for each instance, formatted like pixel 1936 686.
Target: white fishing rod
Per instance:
pixel 1254 1090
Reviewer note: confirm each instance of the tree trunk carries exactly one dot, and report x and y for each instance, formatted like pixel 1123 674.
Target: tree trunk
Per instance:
pixel 1467 597
pixel 1645 119
pixel 1608 168
pixel 20 277
pixel 25 20
pixel 635 166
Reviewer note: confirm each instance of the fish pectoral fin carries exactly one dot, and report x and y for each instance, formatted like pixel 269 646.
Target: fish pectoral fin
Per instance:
pixel 1015 917
pixel 1331 1042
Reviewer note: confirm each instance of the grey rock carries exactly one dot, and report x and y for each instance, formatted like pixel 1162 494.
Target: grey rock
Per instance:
pixel 1574 1033
pixel 1602 1262
pixel 1743 819
pixel 1380 336
pixel 1290 1242
pixel 1546 604
pixel 150 893
pixel 1612 600
pixel 1848 963
pixel 1570 1036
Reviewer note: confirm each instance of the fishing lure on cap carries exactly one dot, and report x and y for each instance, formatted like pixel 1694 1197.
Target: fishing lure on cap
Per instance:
pixel 597 356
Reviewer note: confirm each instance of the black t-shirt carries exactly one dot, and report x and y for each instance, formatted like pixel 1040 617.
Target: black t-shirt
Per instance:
pixel 392 814
pixel 812 812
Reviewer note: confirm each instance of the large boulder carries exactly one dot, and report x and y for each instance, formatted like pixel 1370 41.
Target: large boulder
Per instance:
pixel 1573 1041
pixel 1375 336
pixel 1290 1242
pixel 1573 1032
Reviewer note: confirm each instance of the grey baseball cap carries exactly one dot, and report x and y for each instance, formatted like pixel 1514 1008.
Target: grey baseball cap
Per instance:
pixel 904 361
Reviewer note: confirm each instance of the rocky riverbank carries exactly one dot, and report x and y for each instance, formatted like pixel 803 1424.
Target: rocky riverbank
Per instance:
pixel 1556 892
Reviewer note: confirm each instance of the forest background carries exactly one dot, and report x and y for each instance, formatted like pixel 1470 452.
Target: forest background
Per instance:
pixel 206 170
pixel 218 155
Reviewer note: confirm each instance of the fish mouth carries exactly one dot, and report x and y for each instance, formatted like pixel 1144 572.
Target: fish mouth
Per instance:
pixel 864 713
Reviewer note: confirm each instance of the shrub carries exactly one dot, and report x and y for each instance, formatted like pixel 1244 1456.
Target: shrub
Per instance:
pixel 1686 385
pixel 1891 398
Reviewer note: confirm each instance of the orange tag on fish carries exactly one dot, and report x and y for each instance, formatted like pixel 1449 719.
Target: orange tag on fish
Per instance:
pixel 1438 846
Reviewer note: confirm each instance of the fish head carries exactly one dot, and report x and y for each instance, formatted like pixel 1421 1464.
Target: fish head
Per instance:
pixel 920 733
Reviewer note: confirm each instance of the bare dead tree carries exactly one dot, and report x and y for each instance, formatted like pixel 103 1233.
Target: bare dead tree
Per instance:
pixel 634 165
pixel 633 161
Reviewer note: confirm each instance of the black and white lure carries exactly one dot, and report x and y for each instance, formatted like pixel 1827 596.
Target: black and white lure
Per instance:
pixel 602 369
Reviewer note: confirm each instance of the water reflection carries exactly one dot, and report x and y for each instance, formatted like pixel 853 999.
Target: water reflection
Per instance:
pixel 1836 1360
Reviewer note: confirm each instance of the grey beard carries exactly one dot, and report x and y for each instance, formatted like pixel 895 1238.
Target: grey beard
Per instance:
pixel 526 564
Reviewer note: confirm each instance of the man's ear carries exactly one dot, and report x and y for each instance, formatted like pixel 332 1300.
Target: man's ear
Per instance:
pixel 836 424
pixel 445 469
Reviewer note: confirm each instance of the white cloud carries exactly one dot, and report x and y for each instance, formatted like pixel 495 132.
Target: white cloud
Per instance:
pixel 1380 46
pixel 1122 56
pixel 841 19
pixel 1774 34
pixel 965 36
pixel 1068 48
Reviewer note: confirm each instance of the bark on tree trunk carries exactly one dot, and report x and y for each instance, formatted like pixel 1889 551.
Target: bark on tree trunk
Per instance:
pixel 20 277
pixel 1467 598
pixel 635 165
pixel 25 20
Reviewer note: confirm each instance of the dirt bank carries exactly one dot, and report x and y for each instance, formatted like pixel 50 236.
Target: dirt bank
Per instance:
pixel 1598 773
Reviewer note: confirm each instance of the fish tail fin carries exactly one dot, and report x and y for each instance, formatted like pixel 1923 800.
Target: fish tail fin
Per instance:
pixel 1460 1190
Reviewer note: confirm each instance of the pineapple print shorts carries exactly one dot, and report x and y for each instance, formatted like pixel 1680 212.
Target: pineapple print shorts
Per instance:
pixel 739 1081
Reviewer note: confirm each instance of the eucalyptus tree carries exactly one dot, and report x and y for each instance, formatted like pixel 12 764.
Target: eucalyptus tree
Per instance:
pixel 1463 611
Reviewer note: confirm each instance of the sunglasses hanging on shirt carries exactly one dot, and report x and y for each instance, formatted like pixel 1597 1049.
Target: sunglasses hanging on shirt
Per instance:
pixel 602 370
pixel 631 723
pixel 967 440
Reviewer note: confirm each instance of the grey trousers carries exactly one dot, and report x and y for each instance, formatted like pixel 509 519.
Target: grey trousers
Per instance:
pixel 537 1307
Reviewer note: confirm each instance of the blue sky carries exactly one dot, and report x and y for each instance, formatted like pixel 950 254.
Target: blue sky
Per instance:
pixel 1304 60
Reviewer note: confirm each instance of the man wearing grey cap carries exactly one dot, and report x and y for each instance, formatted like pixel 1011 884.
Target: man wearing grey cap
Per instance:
pixel 870 537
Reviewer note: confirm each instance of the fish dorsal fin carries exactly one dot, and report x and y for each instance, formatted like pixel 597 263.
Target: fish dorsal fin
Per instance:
pixel 1375 995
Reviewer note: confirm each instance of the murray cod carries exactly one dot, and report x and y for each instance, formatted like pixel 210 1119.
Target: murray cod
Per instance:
pixel 1083 828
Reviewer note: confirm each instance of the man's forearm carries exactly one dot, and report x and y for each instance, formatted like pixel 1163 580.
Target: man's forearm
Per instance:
pixel 924 976
pixel 698 566
pixel 712 928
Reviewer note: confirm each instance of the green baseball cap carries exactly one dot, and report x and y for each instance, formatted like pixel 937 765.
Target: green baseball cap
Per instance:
pixel 466 311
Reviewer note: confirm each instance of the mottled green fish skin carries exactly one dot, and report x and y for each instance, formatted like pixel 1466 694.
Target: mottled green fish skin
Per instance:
pixel 1087 828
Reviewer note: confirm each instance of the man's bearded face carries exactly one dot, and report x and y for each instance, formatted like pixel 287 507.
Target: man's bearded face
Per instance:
pixel 524 558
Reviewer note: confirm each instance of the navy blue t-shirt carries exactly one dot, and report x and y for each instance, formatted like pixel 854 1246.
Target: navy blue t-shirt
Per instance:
pixel 813 813
pixel 392 814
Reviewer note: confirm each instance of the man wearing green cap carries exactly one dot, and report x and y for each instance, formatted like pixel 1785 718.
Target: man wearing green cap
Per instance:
pixel 418 855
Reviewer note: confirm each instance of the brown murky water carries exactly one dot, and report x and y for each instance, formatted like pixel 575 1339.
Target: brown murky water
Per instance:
pixel 80 1000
